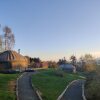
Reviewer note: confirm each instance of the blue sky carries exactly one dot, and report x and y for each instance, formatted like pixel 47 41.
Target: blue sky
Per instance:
pixel 52 29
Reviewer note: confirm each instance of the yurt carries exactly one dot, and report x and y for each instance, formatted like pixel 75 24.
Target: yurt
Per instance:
pixel 12 60
pixel 67 67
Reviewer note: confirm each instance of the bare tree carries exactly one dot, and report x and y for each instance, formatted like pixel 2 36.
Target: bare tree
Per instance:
pixel 73 62
pixel 0 43
pixel 9 38
pixel 89 62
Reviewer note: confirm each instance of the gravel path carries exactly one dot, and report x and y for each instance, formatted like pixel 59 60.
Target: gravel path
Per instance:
pixel 25 90
pixel 74 92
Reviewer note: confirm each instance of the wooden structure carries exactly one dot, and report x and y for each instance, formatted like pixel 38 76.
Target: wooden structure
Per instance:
pixel 12 60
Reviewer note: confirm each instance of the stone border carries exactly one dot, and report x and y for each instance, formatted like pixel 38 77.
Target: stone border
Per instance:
pixel 82 77
pixel 83 95
pixel 17 89
pixel 38 94
pixel 60 96
pixel 17 98
pixel 36 90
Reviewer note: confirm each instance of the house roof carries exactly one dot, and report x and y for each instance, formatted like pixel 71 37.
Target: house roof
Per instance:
pixel 10 55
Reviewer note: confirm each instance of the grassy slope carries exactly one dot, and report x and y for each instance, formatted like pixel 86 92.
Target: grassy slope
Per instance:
pixel 6 93
pixel 51 85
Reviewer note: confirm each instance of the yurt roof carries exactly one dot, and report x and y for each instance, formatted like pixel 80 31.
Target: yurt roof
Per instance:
pixel 10 55
pixel 67 66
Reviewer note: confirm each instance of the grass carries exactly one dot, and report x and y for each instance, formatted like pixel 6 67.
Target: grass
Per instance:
pixel 7 86
pixel 51 83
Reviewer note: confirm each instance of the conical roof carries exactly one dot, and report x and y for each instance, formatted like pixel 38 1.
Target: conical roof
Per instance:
pixel 10 55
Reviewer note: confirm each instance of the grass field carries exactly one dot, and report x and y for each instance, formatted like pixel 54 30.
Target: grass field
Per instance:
pixel 51 83
pixel 7 86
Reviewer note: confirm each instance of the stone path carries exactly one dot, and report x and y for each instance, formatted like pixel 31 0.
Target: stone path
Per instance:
pixel 25 90
pixel 74 91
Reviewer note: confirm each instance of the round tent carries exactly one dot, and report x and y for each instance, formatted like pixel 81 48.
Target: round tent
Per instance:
pixel 12 60
pixel 67 67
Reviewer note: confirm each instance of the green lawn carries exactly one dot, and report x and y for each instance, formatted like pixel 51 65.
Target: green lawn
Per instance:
pixel 7 86
pixel 51 83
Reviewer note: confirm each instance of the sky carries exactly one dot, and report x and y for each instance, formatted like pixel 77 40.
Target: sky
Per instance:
pixel 53 29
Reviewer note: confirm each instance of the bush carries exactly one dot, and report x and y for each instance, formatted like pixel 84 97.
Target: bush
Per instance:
pixel 93 85
pixel 92 91
pixel 59 73
pixel 89 67
pixel 8 72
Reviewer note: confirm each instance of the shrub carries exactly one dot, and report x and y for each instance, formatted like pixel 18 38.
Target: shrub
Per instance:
pixel 92 91
pixel 89 67
pixel 93 85
pixel 59 73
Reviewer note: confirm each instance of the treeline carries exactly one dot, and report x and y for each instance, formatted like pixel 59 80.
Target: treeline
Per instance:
pixel 85 63
pixel 88 66
pixel 38 63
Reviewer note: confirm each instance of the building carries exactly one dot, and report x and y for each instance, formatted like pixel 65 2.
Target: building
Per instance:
pixel 68 67
pixel 45 64
pixel 12 60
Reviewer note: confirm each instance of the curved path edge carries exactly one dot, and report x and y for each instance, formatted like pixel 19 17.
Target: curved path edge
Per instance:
pixel 83 94
pixel 61 95
pixel 17 86
pixel 36 90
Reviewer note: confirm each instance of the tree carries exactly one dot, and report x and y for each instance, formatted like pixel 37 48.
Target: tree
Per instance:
pixel 62 61
pixel 89 62
pixel 81 63
pixel 1 46
pixel 92 85
pixel 52 64
pixel 35 62
pixel 9 38
pixel 1 42
pixel 73 62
